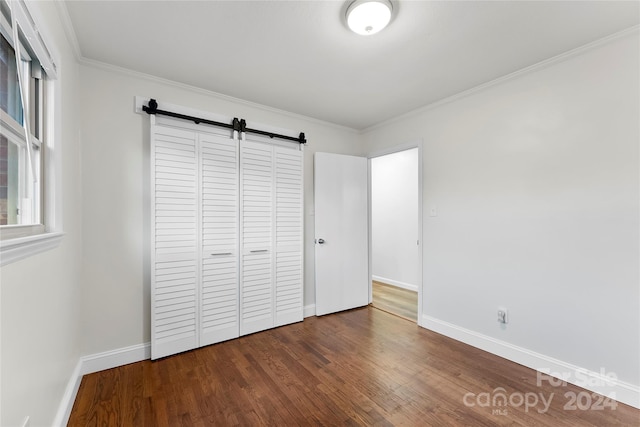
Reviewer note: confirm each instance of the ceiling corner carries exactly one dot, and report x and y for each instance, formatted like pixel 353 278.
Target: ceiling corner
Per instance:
pixel 69 30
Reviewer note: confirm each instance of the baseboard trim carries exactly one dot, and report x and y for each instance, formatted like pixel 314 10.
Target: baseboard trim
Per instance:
pixel 309 310
pixel 598 382
pixel 69 397
pixel 95 363
pixel 114 358
pixel 396 283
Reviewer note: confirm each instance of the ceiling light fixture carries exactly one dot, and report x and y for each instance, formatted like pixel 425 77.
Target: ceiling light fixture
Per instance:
pixel 366 17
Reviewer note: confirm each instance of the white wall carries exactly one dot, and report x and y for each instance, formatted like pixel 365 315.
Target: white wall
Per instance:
pixel 394 219
pixel 115 195
pixel 535 180
pixel 40 294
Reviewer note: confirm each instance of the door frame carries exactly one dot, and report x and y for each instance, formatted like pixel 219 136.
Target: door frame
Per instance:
pixel 391 150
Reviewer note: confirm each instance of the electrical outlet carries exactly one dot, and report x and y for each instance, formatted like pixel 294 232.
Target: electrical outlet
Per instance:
pixel 503 315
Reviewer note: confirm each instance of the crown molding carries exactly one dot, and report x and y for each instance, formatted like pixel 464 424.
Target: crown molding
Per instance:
pixel 160 80
pixel 73 41
pixel 69 31
pixel 523 71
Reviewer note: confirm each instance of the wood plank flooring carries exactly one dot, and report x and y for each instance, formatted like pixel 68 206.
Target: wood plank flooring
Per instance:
pixel 361 367
pixel 395 300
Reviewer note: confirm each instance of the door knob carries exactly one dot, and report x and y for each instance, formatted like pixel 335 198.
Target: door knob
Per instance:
pixel 320 241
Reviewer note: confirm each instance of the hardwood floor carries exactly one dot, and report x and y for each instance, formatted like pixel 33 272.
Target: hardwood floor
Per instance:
pixel 395 300
pixel 355 368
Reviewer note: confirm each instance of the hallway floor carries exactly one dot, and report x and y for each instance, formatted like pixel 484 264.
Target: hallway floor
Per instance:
pixel 395 300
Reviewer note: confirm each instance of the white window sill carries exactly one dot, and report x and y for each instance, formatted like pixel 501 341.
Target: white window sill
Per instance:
pixel 15 249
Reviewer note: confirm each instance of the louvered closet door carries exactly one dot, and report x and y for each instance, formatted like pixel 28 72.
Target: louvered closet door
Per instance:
pixel 288 230
pixel 256 213
pixel 219 188
pixel 174 250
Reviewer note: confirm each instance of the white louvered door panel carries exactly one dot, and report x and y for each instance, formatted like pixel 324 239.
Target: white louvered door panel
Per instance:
pixel 288 236
pixel 219 312
pixel 174 245
pixel 256 234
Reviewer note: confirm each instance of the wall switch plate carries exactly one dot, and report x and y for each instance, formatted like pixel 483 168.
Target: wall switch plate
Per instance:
pixel 503 315
pixel 433 212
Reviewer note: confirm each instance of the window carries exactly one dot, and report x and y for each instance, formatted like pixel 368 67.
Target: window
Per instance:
pixel 20 168
pixel 27 71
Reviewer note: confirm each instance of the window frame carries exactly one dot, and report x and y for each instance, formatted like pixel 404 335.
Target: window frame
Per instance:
pixel 14 132
pixel 20 241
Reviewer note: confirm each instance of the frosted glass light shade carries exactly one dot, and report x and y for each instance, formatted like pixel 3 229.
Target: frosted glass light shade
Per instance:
pixel 366 17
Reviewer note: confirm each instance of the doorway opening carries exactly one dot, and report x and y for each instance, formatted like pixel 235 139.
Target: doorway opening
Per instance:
pixel 396 232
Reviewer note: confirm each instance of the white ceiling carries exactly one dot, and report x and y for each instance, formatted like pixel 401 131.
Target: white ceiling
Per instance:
pixel 299 56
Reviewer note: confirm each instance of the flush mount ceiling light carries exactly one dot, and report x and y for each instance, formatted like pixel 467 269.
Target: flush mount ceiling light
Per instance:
pixel 366 17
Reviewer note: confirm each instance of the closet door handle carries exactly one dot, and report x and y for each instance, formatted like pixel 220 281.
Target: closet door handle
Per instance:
pixel 222 253
pixel 321 241
pixel 259 250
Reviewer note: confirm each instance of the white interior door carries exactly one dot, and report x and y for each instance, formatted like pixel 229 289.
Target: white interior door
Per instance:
pixel 256 236
pixel 174 241
pixel 219 238
pixel 288 229
pixel 341 227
